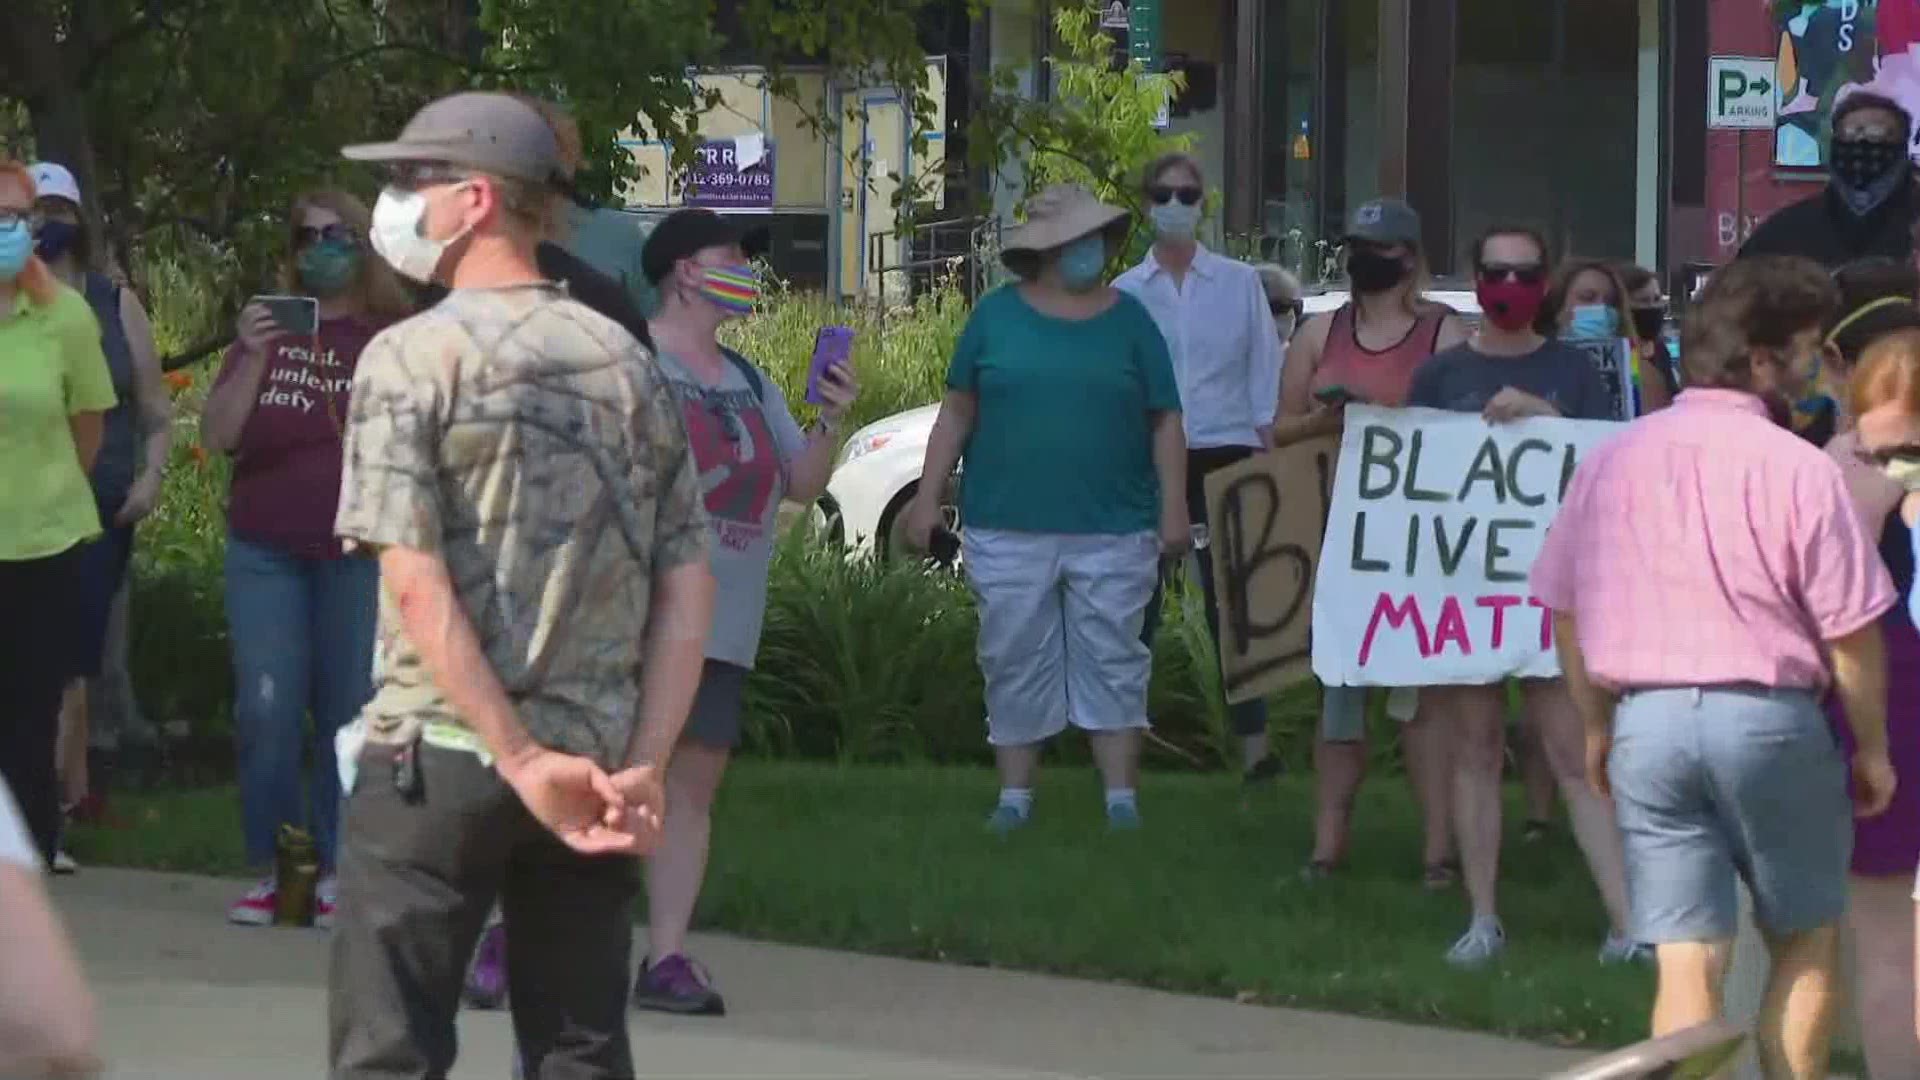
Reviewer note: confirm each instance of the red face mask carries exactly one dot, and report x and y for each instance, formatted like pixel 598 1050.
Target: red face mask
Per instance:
pixel 1510 304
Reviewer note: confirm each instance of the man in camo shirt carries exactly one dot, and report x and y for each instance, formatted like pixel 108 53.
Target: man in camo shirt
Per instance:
pixel 524 478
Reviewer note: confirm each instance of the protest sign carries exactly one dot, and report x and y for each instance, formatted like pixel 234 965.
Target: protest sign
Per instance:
pixel 1264 520
pixel 1612 358
pixel 1436 518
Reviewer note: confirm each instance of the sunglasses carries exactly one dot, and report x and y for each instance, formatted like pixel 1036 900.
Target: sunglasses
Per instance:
pixel 414 175
pixel 1162 195
pixel 1524 273
pixel 305 236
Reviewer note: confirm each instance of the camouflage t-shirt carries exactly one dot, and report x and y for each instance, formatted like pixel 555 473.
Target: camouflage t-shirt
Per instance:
pixel 532 444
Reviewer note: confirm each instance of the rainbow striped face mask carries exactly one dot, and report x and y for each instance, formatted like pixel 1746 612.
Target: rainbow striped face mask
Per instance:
pixel 732 289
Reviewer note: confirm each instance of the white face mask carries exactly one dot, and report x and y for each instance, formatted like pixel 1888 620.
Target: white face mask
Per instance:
pixel 1175 220
pixel 399 234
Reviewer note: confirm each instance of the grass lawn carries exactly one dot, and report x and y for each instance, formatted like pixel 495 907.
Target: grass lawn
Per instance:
pixel 1206 899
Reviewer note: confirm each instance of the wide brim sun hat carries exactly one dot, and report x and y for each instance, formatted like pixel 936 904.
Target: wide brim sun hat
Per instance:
pixel 1056 217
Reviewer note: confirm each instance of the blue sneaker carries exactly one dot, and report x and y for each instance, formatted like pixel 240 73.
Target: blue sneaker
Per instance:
pixel 1123 817
pixel 1006 819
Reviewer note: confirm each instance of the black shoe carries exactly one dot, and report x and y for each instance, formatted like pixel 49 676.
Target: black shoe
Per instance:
pixel 1263 771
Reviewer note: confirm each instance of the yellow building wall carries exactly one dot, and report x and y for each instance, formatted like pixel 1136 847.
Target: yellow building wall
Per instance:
pixel 803 157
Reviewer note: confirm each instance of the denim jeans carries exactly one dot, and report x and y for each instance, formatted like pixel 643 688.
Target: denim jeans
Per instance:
pixel 302 636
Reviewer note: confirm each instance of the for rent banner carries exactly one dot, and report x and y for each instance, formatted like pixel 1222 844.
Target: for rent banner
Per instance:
pixel 1435 521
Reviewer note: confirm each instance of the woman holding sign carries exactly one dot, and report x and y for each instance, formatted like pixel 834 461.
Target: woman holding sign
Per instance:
pixel 1069 511
pixel 1587 306
pixel 1510 371
pixel 1367 352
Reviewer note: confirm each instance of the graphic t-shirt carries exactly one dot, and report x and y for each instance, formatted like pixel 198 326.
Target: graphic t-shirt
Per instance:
pixel 532 444
pixel 286 467
pixel 51 367
pixel 1463 379
pixel 742 446
pixel 1063 441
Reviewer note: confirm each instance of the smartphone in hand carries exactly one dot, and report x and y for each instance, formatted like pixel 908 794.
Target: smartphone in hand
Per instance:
pixel 832 345
pixel 297 315
pixel 1335 396
pixel 944 546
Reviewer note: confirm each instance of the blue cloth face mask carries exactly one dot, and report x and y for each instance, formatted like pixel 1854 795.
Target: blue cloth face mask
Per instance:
pixel 1083 261
pixel 16 247
pixel 1594 322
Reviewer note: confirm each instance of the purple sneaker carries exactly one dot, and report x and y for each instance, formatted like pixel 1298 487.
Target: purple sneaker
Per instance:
pixel 487 980
pixel 676 984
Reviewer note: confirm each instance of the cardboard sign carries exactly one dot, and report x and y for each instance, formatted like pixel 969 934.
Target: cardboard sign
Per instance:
pixel 1436 518
pixel 1265 517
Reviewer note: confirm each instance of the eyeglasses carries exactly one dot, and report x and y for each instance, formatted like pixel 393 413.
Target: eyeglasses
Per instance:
pixel 1162 195
pixel 1524 273
pixel 11 218
pixel 305 236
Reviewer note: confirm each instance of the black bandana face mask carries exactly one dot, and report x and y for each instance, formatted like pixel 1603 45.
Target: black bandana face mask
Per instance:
pixel 1866 172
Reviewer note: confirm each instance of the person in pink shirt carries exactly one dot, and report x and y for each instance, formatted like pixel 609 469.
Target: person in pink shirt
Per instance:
pixel 1709 580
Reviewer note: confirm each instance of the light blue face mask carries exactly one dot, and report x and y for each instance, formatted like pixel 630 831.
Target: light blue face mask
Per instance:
pixel 16 247
pixel 1594 321
pixel 1083 261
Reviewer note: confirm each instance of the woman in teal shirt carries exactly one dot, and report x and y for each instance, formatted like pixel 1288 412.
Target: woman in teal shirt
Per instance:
pixel 1062 399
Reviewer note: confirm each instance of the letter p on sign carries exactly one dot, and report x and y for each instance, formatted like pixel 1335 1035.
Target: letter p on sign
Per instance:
pixel 1740 93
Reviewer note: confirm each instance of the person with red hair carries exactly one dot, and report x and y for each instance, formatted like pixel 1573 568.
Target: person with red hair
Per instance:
pixel 55 389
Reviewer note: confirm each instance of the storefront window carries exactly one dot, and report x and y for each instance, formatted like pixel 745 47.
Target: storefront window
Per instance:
pixel 1544 121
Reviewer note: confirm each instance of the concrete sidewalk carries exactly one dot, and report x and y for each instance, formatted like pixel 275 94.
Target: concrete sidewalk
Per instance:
pixel 186 996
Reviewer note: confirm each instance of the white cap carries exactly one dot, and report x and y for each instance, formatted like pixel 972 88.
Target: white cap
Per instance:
pixel 54 181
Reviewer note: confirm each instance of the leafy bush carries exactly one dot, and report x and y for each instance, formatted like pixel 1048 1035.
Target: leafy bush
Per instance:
pixel 861 661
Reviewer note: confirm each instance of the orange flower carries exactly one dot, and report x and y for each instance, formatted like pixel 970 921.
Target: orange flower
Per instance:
pixel 200 455
pixel 179 380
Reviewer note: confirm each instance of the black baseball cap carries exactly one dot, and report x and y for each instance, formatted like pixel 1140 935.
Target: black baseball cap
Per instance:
pixel 685 233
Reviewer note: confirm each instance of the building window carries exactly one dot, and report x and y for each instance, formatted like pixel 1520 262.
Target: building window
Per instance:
pixel 1320 145
pixel 1545 118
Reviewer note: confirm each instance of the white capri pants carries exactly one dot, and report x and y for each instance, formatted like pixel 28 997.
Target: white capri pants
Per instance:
pixel 1060 622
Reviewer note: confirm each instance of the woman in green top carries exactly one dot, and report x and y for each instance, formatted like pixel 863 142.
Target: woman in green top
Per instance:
pixel 54 390
pixel 1062 398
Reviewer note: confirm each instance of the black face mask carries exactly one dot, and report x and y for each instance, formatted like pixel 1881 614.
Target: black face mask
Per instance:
pixel 1648 322
pixel 1372 272
pixel 1866 172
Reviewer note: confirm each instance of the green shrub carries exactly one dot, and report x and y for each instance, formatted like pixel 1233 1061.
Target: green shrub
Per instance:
pixel 861 661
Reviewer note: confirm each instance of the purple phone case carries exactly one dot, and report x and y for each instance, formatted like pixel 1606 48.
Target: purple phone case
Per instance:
pixel 832 345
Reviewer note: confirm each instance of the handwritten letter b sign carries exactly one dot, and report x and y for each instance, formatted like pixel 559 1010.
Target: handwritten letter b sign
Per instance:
pixel 1265 516
pixel 1436 520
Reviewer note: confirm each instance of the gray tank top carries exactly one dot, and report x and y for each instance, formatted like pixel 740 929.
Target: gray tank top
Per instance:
pixel 114 469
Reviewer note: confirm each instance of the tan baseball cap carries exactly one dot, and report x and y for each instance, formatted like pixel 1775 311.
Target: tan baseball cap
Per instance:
pixel 486 132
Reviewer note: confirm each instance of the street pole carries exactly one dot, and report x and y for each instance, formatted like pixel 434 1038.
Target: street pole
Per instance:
pixel 1739 188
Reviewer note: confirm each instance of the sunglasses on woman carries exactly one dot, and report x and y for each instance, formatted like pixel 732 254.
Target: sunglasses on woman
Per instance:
pixel 305 236
pixel 1162 194
pixel 1524 273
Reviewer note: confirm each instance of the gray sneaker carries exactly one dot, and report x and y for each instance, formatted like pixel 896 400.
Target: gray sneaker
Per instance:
pixel 1483 942
pixel 1624 950
pixel 1006 819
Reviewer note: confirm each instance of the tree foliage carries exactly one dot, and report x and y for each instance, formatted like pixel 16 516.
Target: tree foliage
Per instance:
pixel 1096 129
pixel 191 124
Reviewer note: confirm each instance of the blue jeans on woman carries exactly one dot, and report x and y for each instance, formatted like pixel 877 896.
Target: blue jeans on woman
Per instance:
pixel 302 634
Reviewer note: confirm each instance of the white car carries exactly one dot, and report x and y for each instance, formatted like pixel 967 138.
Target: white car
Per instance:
pixel 878 472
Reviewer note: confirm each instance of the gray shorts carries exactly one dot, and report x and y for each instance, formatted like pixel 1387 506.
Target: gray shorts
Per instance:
pixel 1724 781
pixel 1060 628
pixel 717 706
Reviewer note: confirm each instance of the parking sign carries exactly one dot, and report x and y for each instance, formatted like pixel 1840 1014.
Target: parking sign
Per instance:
pixel 1741 93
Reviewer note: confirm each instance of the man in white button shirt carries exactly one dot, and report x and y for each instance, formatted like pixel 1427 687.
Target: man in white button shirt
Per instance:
pixel 1227 353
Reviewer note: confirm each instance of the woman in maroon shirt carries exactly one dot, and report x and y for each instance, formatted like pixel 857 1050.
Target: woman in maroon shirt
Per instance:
pixel 300 615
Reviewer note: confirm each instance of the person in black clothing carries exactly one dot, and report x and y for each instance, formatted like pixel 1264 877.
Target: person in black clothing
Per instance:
pixel 1869 207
